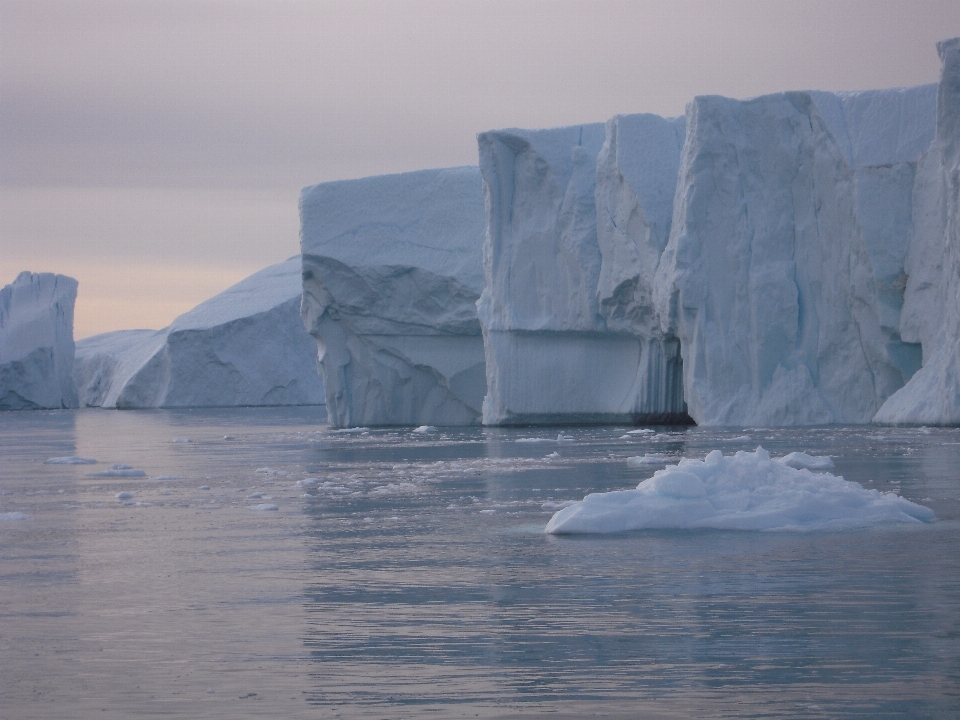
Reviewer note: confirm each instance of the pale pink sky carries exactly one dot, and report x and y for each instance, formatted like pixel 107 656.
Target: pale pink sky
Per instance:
pixel 155 150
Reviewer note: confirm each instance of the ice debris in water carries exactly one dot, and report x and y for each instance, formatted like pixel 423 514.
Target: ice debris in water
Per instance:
pixel 745 491
pixel 802 461
pixel 13 516
pixel 353 430
pixel 118 470
pixel 642 431
pixel 181 440
pixel 265 506
pixel 643 460
pixel 70 460
pixel 425 429
pixel 123 495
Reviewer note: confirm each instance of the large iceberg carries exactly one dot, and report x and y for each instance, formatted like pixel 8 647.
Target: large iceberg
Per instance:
pixel 566 313
pixel 391 275
pixel 931 312
pixel 36 342
pixel 745 491
pixel 245 346
pixel 784 274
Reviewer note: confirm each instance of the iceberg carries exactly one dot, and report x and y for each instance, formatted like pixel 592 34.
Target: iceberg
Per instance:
pixel 744 491
pixel 245 346
pixel 36 342
pixel 566 313
pixel 784 275
pixel 391 276
pixel 931 312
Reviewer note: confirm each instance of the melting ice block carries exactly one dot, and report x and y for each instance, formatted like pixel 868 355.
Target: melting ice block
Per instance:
pixel 745 491
pixel 783 277
pixel 36 342
pixel 391 275
pixel 245 346
pixel 566 312
pixel 931 313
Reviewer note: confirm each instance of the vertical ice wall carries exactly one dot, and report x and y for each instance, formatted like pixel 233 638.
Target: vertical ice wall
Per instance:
pixel 567 334
pixel 931 313
pixel 784 274
pixel 36 342
pixel 391 275
pixel 245 346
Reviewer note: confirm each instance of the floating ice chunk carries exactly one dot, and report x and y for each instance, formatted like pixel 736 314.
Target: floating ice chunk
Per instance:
pixel 742 438
pixel 745 491
pixel 425 429
pixel 535 440
pixel 265 506
pixel 802 461
pixel 308 481
pixel 125 495
pixel 353 430
pixel 554 454
pixel 267 471
pixel 642 431
pixel 70 460
pixel 118 470
pixel 204 487
pixel 645 460
pixel 13 516
pixel 181 440
pixel 167 477
pixel 255 496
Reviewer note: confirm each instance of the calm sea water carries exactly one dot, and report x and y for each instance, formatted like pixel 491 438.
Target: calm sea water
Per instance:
pixel 407 575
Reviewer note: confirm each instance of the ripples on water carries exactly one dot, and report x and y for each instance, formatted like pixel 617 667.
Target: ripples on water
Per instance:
pixel 407 575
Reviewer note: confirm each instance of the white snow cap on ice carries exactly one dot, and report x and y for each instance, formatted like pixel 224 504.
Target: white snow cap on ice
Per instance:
pixel 36 342
pixel 245 346
pixel 391 276
pixel 745 491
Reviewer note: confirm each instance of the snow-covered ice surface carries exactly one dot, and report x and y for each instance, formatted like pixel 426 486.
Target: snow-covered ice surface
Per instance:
pixel 245 346
pixel 36 342
pixel 406 575
pixel 745 491
pixel 784 274
pixel 391 275
pixel 576 220
pixel 931 311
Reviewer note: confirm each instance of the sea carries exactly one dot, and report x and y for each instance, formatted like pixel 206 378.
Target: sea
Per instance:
pixel 255 563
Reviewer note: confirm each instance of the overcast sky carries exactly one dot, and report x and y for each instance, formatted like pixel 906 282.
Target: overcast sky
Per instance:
pixel 155 150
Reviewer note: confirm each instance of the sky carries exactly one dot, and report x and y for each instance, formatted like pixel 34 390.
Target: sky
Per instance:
pixel 155 149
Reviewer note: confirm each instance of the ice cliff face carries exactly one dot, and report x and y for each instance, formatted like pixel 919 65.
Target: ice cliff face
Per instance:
pixel 36 342
pixel 245 346
pixel 931 313
pixel 391 275
pixel 565 313
pixel 784 274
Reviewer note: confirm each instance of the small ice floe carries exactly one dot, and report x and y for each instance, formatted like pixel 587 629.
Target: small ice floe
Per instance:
pixel 554 454
pixel 802 461
pixel 264 506
pixel 119 470
pixel 203 487
pixel 255 496
pixel 267 471
pixel 742 438
pixel 70 460
pixel 4 517
pixel 425 430
pixel 561 438
pixel 353 430
pixel 167 477
pixel 125 495
pixel 558 505
pixel 180 440
pixel 744 491
pixel 307 482
pixel 641 431
pixel 228 437
pixel 646 460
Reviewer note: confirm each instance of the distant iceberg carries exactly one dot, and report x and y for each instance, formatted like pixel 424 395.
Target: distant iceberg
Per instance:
pixel 36 342
pixel 745 491
pixel 391 276
pixel 245 346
